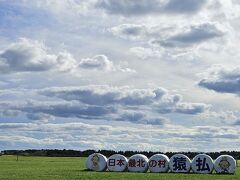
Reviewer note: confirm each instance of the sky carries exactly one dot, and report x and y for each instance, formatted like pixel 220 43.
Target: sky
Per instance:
pixel 159 75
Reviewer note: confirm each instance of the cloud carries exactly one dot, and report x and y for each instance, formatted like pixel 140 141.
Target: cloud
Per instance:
pixel 131 31
pixel 191 108
pixel 237 123
pixel 32 56
pixel 128 7
pixel 40 117
pixel 159 99
pixel 174 104
pixel 95 102
pixel 225 117
pixel 68 109
pixel 184 6
pixel 145 53
pixel 106 95
pixel 161 41
pixel 141 118
pixel 70 135
pixel 132 116
pixel 189 36
pixel 102 63
pixel 221 79
pixel 144 7
pixel 97 62
pixel 48 110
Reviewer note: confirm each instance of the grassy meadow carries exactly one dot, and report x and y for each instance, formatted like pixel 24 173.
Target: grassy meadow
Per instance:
pixel 58 168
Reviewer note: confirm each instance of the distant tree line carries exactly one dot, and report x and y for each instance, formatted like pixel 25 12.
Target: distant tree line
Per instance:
pixel 75 153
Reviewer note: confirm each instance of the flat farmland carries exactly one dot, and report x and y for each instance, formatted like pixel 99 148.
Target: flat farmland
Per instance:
pixel 57 168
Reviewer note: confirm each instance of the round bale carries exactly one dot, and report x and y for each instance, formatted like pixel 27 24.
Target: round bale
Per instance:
pixel 180 163
pixel 225 164
pixel 117 163
pixel 202 164
pixel 158 163
pixel 96 162
pixel 138 163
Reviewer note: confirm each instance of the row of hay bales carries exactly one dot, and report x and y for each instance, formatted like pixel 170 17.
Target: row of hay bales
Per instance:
pixel 160 163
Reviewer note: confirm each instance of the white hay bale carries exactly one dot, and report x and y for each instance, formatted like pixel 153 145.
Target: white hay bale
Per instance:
pixel 158 163
pixel 96 162
pixel 202 164
pixel 138 163
pixel 117 163
pixel 180 163
pixel 225 164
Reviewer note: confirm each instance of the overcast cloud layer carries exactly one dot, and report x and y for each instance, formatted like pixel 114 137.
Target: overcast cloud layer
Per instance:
pixel 155 75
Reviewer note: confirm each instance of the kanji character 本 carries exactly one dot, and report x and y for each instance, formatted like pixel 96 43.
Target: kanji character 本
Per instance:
pixel 179 163
pixel 153 163
pixel 132 163
pixel 162 163
pixel 111 162
pixel 140 163
pixel 120 162
pixel 202 165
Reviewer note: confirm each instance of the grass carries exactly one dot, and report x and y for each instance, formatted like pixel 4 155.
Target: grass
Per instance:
pixel 35 168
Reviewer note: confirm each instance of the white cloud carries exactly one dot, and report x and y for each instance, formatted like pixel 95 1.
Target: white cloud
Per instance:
pixel 40 117
pixel 97 62
pixel 102 95
pixel 40 110
pixel 159 99
pixel 185 6
pixel 191 108
pixel 146 137
pixel 222 79
pixel 101 103
pixel 131 31
pixel 33 56
pixel 102 63
pixel 144 7
pixel 195 34
pixel 225 117
pixel 28 56
pixel 141 118
pixel 173 42
pixel 143 32
pixel 145 53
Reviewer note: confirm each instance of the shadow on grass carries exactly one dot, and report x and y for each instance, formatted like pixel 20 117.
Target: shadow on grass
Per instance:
pixel 87 170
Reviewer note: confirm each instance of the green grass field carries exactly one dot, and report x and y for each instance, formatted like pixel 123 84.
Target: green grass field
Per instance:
pixel 34 168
